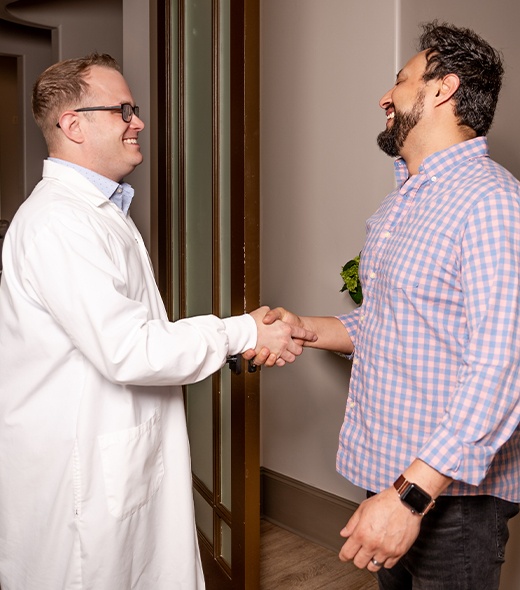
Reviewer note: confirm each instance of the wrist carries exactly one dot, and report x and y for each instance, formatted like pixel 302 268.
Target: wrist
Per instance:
pixel 417 500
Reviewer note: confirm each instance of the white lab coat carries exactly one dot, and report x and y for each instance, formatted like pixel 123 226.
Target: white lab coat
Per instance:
pixel 95 477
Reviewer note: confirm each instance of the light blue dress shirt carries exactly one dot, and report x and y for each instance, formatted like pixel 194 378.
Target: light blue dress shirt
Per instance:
pixel 121 194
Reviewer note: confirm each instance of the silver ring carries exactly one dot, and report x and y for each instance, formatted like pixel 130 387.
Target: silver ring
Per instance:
pixel 375 562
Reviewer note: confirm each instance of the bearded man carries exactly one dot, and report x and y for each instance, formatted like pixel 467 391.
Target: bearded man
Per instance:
pixel 431 428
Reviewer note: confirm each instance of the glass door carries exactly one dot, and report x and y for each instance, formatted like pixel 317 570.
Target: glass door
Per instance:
pixel 209 245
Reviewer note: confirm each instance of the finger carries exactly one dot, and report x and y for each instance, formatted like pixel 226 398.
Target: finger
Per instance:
pixel 363 559
pixel 302 343
pixel 293 348
pixel 262 356
pixel 287 356
pixel 349 528
pixel 271 360
pixel 280 362
pixel 374 565
pixel 249 354
pixel 390 562
pixel 349 550
pixel 303 334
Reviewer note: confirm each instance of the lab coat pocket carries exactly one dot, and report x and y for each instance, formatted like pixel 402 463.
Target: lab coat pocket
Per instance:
pixel 132 466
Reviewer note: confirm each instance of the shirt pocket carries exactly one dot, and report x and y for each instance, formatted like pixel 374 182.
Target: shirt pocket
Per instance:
pixel 132 466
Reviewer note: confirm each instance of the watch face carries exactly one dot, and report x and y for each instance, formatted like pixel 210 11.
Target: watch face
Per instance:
pixel 416 498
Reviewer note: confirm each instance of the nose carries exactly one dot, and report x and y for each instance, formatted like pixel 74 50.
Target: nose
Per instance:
pixel 386 100
pixel 137 123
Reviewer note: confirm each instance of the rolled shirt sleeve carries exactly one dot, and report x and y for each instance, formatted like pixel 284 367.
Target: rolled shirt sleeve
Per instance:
pixel 484 410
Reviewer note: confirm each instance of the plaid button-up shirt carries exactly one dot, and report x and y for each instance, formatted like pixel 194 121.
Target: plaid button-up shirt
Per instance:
pixel 436 368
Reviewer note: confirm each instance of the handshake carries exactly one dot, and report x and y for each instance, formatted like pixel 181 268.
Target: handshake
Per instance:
pixel 281 337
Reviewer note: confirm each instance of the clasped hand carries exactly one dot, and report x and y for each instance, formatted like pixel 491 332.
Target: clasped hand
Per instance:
pixel 278 342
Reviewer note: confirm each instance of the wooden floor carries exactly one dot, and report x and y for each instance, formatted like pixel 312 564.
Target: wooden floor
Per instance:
pixel 289 561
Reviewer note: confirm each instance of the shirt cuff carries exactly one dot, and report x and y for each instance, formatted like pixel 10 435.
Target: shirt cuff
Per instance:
pixel 241 332
pixel 453 457
pixel 350 322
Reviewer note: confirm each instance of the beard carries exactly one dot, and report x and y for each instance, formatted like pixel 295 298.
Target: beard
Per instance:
pixel 392 139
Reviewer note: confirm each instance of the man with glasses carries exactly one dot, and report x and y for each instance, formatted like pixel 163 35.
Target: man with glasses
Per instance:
pixel 95 478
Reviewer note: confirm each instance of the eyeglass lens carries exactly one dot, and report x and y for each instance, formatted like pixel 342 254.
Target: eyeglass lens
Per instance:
pixel 127 110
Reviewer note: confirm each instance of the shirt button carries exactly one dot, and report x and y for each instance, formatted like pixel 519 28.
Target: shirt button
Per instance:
pixel 119 190
pixel 433 178
pixel 351 404
pixel 372 275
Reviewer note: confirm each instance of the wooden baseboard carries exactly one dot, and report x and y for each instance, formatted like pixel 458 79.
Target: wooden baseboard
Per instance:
pixel 303 509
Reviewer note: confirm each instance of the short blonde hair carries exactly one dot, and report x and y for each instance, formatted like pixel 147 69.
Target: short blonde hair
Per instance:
pixel 63 86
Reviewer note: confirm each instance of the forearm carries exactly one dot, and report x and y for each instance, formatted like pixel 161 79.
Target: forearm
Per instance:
pixel 332 334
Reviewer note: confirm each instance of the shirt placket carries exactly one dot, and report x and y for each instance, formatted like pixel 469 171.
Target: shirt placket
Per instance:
pixel 404 201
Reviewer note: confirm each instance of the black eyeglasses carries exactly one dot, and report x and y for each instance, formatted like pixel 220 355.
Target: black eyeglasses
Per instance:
pixel 127 111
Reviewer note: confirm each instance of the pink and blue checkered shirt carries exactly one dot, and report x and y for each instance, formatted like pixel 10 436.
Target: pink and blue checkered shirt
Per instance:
pixel 436 368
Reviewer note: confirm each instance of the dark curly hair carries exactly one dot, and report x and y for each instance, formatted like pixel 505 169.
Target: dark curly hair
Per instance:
pixel 460 51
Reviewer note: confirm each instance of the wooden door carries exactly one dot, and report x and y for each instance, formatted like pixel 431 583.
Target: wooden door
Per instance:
pixel 208 71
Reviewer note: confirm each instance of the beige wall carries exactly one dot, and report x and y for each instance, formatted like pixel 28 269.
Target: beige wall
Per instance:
pixel 325 64
pixel 79 26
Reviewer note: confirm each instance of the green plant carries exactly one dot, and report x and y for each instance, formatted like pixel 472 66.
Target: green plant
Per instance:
pixel 350 276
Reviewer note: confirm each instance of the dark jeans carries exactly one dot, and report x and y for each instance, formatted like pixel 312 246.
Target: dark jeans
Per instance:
pixel 461 546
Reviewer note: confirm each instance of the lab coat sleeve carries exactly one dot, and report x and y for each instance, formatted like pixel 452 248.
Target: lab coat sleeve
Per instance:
pixel 87 282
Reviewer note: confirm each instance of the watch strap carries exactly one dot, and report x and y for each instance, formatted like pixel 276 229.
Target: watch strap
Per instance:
pixel 400 484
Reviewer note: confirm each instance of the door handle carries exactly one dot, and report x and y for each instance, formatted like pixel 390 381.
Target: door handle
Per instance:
pixel 235 364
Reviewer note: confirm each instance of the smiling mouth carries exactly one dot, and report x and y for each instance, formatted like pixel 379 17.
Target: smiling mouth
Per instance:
pixel 390 115
pixel 131 140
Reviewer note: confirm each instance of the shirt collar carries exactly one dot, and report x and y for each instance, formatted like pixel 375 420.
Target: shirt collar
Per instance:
pixel 440 162
pixel 120 194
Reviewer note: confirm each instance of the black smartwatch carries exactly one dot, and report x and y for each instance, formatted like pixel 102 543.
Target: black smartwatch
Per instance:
pixel 414 497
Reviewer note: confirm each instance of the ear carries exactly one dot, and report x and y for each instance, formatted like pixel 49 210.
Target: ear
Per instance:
pixel 70 125
pixel 446 88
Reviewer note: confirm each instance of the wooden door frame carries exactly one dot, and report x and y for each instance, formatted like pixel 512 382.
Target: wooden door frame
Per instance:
pixel 245 224
pixel 245 240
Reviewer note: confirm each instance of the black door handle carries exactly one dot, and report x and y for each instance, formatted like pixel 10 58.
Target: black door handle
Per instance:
pixel 235 363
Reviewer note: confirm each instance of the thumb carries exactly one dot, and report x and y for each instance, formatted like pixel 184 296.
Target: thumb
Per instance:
pixel 348 529
pixel 273 315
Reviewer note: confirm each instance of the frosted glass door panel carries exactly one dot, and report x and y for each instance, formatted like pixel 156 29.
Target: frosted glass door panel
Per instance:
pixel 225 242
pixel 199 215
